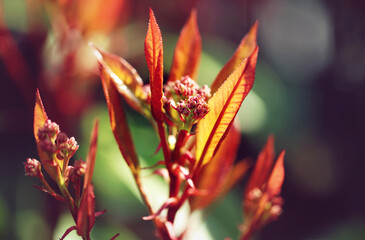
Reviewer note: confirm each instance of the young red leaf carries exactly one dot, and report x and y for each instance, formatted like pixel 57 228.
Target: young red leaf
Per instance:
pixel 86 213
pixel 118 120
pixel 153 49
pixel 277 177
pixel 223 107
pixel 40 117
pixel 213 177
pixel 154 56
pixel 187 51
pixel 263 166
pixel 125 78
pixel 91 156
pixel 244 50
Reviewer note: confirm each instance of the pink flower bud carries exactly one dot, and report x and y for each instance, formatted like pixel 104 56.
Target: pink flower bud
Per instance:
pixel 80 167
pixel 61 138
pixel 32 167
pixel 47 146
pixel 51 128
pixel 205 92
pixel 71 145
pixel 182 108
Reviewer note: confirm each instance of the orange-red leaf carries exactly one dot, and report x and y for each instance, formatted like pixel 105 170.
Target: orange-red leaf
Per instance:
pixel 118 120
pixel 154 56
pixel 86 213
pixel 263 166
pixel 277 177
pixel 223 107
pixel 244 50
pixel 125 78
pixel 212 179
pixel 187 51
pixel 40 115
pixel 91 156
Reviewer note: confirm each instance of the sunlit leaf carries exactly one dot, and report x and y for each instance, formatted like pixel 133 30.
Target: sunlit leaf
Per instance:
pixel 125 78
pixel 118 120
pixel 188 51
pixel 86 213
pixel 277 177
pixel 223 107
pixel 154 56
pixel 244 50
pixel 212 179
pixel 263 166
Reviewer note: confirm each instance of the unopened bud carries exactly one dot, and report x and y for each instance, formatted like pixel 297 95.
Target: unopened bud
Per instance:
pixel 51 128
pixel 72 145
pixel 80 167
pixel 182 108
pixel 254 194
pixel 47 145
pixel 32 167
pixel 275 211
pixel 61 138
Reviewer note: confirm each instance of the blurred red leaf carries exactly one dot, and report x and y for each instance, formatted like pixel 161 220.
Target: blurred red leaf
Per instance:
pixel 125 78
pixel 223 107
pixel 187 51
pixel 86 213
pixel 118 120
pixel 91 156
pixel 263 166
pixel 244 50
pixel 277 177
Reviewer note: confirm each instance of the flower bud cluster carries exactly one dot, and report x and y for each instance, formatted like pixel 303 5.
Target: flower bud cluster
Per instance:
pixel 185 88
pixel 76 171
pixel 53 141
pixel 194 106
pixel 190 98
pixel 32 167
pixel 272 208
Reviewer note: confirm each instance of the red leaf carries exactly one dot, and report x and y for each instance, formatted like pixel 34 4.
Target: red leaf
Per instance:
pixel 154 56
pixel 118 120
pixel 244 50
pixel 223 107
pixel 277 177
pixel 187 51
pixel 40 117
pixel 263 166
pixel 86 213
pixel 91 156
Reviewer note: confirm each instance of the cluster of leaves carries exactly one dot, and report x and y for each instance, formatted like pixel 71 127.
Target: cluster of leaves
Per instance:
pixel 195 125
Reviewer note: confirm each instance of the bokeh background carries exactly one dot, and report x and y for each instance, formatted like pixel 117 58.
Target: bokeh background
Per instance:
pixel 309 92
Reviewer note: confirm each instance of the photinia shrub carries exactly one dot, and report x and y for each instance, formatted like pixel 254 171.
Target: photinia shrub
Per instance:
pixel 195 126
